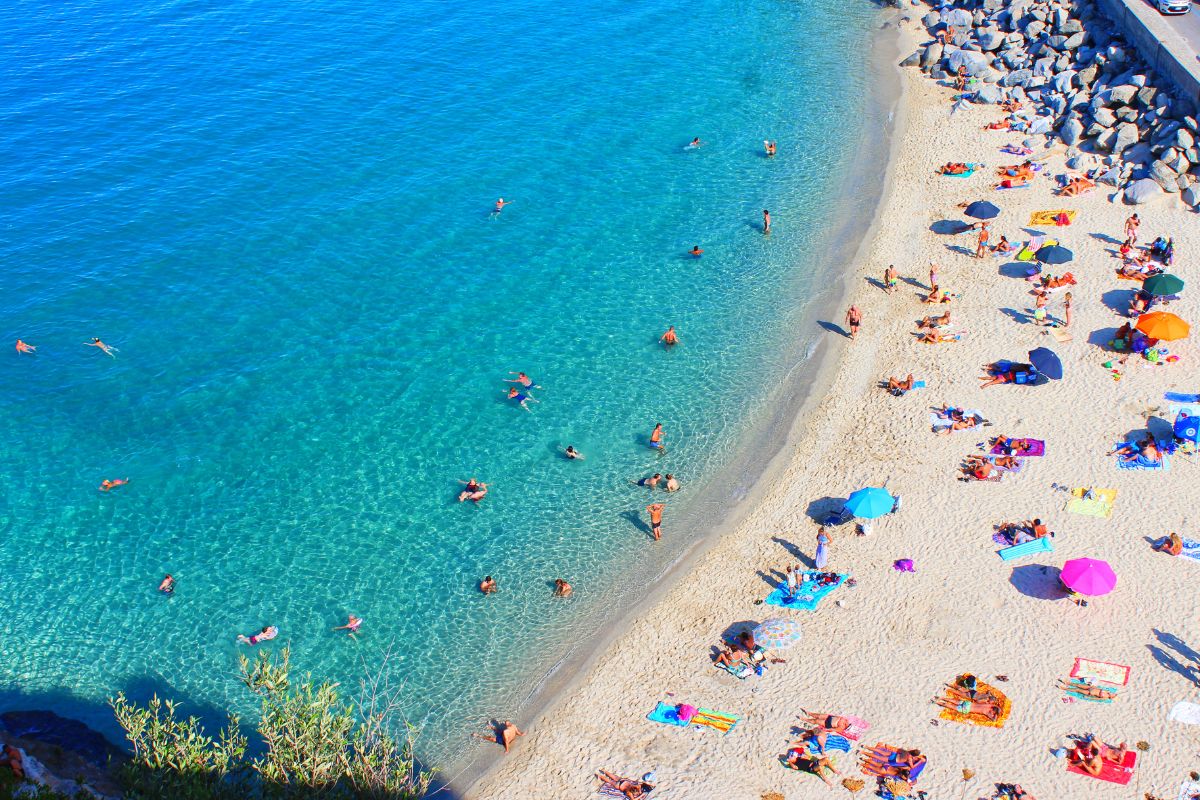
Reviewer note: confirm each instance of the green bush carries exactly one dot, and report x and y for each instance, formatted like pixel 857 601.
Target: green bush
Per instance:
pixel 316 744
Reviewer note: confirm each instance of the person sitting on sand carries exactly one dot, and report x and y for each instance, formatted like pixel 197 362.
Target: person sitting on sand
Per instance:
pixel 1090 755
pixel 899 387
pixel 934 322
pixel 1011 106
pixel 1144 451
pixel 732 659
pixel 955 168
pixel 488 585
pixel 1004 246
pixel 1140 304
pixel 268 633
pixel 980 470
pixel 562 588
pixel 1085 689
pixel 1077 185
pixel 503 734
pixel 625 787
pixel 1172 545
pixel 936 295
pixel 964 706
pixel 800 757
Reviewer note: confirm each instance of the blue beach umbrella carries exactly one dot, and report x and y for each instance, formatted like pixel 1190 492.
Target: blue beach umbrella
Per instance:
pixel 871 502
pixel 1047 362
pixel 1055 254
pixel 982 209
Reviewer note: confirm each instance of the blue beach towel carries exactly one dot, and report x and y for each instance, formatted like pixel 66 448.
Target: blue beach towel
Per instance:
pixel 918 384
pixel 1040 545
pixel 833 742
pixel 1191 549
pixel 1164 464
pixel 1181 397
pixel 1080 696
pixel 741 673
pixel 667 715
pixel 808 594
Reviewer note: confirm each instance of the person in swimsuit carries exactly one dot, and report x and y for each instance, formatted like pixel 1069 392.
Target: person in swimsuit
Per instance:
pixel 769 148
pixel 669 339
pixel 108 351
pixel 899 387
pixel 656 435
pixel 766 221
pixel 1131 228
pixel 352 626
pixel 891 279
pixel 562 588
pixel 167 584
pixel 107 485
pixel 963 706
pixel 22 347
pixel 472 488
pixel 488 585
pixel 694 143
pixel 500 204
pixel 854 319
pixel 696 252
pixel 522 379
pixel 268 633
pixel 672 484
pixel 626 787
pixel 656 511
pixel 801 758
pixel 1172 545
pixel 521 398
pixel 503 734
pixel 649 483
pixel 1086 690
pixel 573 454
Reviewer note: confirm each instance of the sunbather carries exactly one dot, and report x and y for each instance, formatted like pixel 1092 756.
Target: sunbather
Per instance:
pixel 1144 451
pixel 899 387
pixel 1012 183
pixel 1051 282
pixel 829 722
pixel 628 787
pixel 1077 185
pixel 997 377
pixel 1002 125
pixel 1003 247
pixel 934 322
pixel 1086 689
pixel 936 295
pixel 887 761
pixel 935 336
pixel 732 658
pixel 1012 446
pixel 799 757
pixel 988 709
pixel 955 168
pixel 1089 754
pixel 1172 545
pixel 1140 304
pixel 1011 106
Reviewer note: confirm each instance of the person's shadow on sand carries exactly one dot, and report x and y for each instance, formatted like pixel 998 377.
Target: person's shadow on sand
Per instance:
pixel 833 328
pixel 793 550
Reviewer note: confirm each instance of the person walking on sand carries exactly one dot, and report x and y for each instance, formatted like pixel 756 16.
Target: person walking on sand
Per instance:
pixel 854 320
pixel 656 439
pixel 891 279
pixel 821 558
pixel 1039 310
pixel 23 347
pixel 108 351
pixel 933 274
pixel 656 510
pixel 981 246
pixel 1131 228
pixel 669 339
pixel 766 221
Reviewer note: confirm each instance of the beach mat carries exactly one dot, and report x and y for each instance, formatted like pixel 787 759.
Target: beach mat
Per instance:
pixel 1185 712
pixel 937 421
pixel 1061 335
pixel 808 594
pixel 1181 397
pixel 833 742
pixel 1191 550
pixel 1101 505
pixel 1040 545
pixel 1037 447
pixel 979 719
pixel 741 673
pixel 666 715
pixel 1018 186
pixel 1101 672
pixel 717 720
pixel 970 171
pixel 1120 774
pixel 1047 217
pixel 1132 466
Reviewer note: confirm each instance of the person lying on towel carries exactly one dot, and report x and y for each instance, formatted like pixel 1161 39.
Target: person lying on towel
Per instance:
pixel 955 168
pixel 1090 755
pixel 1086 690
pixel 964 705
pixel 1076 185
pixel 934 322
pixel 1143 453
pixel 1012 447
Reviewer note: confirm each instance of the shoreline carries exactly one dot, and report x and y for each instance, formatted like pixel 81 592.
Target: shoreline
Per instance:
pixel 812 375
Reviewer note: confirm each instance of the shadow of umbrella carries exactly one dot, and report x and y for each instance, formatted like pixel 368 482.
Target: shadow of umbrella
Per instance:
pixel 1039 581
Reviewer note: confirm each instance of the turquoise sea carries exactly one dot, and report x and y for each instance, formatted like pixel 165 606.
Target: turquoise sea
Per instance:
pixel 278 212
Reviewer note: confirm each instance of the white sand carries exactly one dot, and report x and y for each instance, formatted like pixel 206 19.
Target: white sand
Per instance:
pixel 896 638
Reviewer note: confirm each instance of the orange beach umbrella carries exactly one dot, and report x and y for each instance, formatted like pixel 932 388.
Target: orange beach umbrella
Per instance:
pixel 1161 325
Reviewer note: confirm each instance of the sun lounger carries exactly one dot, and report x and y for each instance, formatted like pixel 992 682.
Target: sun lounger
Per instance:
pixel 1112 772
pixel 1101 672
pixel 1050 217
pixel 666 715
pixel 1099 505
pixel 1037 447
pixel 808 593
pixel 1040 545
pixel 717 720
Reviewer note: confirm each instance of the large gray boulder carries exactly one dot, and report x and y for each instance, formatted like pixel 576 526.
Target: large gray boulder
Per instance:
pixel 1126 134
pixel 1056 42
pixel 1106 140
pixel 931 20
pixel 1071 131
pixel 932 55
pixel 989 39
pixel 1126 114
pixel 1063 82
pixel 1178 163
pixel 1074 41
pixel 1191 195
pixel 1071 27
pixel 1122 95
pixel 1034 29
pixel 989 93
pixel 1044 67
pixel 1041 125
pixel 912 61
pixel 1184 139
pixel 1145 96
pixel 1019 76
pixel 1143 191
pixel 1166 177
pixel 1104 117
pixel 1087 75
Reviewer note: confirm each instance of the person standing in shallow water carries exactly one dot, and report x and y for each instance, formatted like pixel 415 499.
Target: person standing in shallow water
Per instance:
pixel 766 221
pixel 670 338
pixel 656 511
pixel 656 436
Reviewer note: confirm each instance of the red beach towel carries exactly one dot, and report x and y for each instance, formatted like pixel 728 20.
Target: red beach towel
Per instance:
pixel 1112 772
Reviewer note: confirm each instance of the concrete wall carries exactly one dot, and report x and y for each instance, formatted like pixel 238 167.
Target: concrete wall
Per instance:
pixel 1159 44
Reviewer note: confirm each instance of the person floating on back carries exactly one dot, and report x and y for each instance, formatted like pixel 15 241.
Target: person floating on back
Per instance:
pixel 23 347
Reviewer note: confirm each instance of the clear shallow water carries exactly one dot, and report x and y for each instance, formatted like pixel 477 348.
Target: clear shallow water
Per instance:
pixel 278 212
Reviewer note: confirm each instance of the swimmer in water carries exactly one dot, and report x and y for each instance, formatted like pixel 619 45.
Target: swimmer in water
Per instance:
pixel 167 585
pixel 473 491
pixel 562 588
pixel 696 252
pixel 22 347
pixel 522 379
pixel 656 435
pixel 769 147
pixel 695 143
pixel 268 633
pixel 573 454
pixel 108 351
pixel 488 585
pixel 672 483
pixel 766 221
pixel 669 338
pixel 500 204
pixel 106 484
pixel 649 483
pixel 352 626
pixel 521 398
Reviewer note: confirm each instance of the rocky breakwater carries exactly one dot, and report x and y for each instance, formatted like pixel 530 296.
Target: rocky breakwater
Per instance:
pixel 61 754
pixel 1077 81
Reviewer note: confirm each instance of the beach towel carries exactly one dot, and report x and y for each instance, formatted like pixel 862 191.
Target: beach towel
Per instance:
pixel 1061 335
pixel 1050 217
pixel 1037 447
pixel 1040 545
pixel 1185 712
pixel 1084 684
pixel 1181 397
pixel 980 719
pixel 936 420
pixel 741 672
pixel 1191 550
pixel 1111 772
pixel 833 742
pixel 1189 790
pixel 1000 187
pixel 612 791
pixel 970 171
pixel 1101 672
pixel 666 715
pixel 1163 464
pixel 808 593
pixel 717 720
pixel 1100 505
pixel 918 384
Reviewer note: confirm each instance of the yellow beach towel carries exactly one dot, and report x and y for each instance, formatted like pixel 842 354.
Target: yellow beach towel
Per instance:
pixel 1100 505
pixel 717 720
pixel 980 719
pixel 1047 217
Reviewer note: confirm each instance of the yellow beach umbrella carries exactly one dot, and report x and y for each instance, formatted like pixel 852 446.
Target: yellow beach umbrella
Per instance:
pixel 1161 325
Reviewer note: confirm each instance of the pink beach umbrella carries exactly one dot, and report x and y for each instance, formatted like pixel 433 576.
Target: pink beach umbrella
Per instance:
pixel 1089 576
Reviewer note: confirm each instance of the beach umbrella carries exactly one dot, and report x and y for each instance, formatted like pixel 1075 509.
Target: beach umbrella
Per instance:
pixel 1163 285
pixel 776 633
pixel 1161 325
pixel 982 209
pixel 1054 254
pixel 1047 362
pixel 870 502
pixel 971 59
pixel 958 17
pixel 1089 576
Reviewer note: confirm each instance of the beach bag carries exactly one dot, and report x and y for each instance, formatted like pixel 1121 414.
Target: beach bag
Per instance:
pixel 1021 377
pixel 1151 355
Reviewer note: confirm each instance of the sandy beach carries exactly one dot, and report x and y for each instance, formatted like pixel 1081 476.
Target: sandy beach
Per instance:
pixel 883 648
